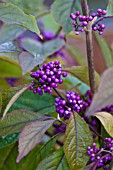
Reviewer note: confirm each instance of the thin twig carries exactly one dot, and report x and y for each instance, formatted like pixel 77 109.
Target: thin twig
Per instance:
pixel 96 132
pixel 101 19
pixel 57 93
pixel 89 46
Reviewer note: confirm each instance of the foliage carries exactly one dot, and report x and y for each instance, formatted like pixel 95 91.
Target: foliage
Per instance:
pixel 56 111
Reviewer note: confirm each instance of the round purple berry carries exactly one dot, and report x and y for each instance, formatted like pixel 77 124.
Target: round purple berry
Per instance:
pixel 77 13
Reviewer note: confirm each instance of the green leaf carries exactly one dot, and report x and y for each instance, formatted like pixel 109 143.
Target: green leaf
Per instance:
pixel 31 135
pixel 13 99
pixel 56 161
pixel 9 47
pixel 11 58
pixel 106 51
pixel 49 23
pixel 0 101
pixel 28 6
pixel 16 120
pixel 61 11
pixel 39 52
pixel 77 55
pixel 10 32
pixel 96 4
pixel 46 149
pixel 8 156
pixel 104 95
pixel 110 8
pixel 40 104
pixel 8 69
pixel 3 84
pixel 11 14
pixel 76 141
pixel 107 121
pixel 6 94
pixel 82 74
pixel 71 81
pixel 8 139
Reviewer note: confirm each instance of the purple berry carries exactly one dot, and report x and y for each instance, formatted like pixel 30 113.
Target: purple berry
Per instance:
pixel 90 18
pixel 84 23
pixel 94 15
pixel 104 12
pixel 99 11
pixel 94 28
pixel 74 23
pixel 77 13
pixel 72 16
pixel 77 33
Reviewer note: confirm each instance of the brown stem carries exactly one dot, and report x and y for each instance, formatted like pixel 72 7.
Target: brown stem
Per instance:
pixel 58 93
pixel 89 46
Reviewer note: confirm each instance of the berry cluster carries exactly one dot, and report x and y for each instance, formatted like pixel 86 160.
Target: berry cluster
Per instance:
pixel 47 77
pixel 73 102
pixel 101 156
pixel 81 21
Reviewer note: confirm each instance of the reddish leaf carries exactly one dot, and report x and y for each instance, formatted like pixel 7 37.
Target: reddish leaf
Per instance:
pixel 31 135
pixel 104 95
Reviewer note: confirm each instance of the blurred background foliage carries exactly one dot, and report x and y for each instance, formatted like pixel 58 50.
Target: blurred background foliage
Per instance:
pixel 73 53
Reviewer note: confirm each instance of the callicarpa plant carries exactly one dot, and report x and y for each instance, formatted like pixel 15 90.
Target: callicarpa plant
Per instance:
pixel 56 111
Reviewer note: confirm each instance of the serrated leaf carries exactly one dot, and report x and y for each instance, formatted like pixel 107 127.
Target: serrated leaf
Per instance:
pixel 9 47
pixel 12 14
pixel 40 104
pixel 77 139
pixel 104 95
pixel 106 51
pixel 81 73
pixel 56 161
pixel 61 11
pixel 77 55
pixel 46 149
pixel 39 52
pixel 110 8
pixel 31 135
pixel 8 156
pixel 8 139
pixel 107 121
pixel 10 32
pixel 15 121
pixel 13 99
